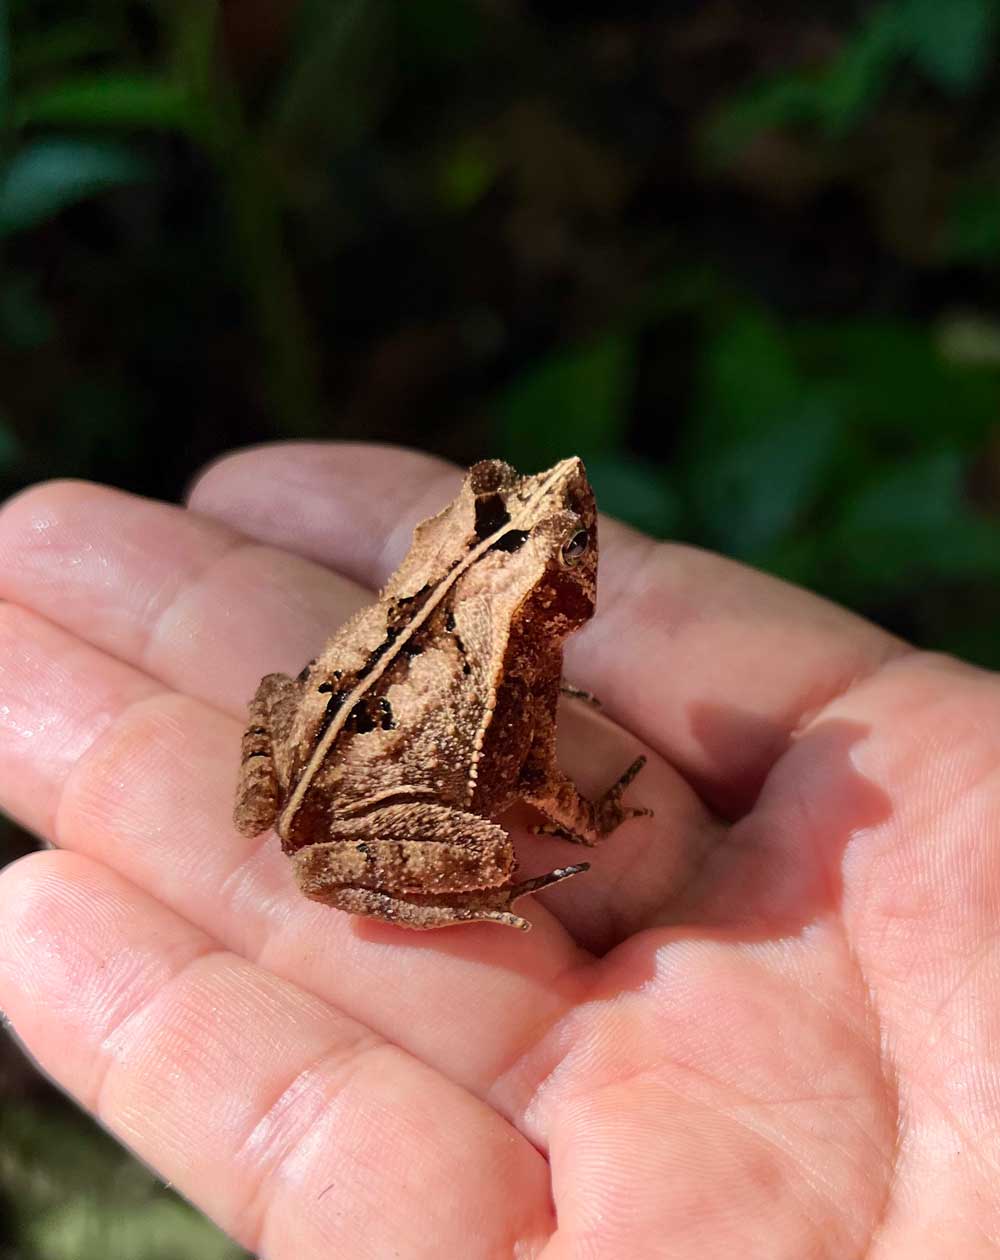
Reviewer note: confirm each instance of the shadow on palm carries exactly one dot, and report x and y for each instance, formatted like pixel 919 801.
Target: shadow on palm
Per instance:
pixel 766 874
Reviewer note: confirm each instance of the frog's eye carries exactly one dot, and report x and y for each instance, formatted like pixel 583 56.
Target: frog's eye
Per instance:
pixel 575 547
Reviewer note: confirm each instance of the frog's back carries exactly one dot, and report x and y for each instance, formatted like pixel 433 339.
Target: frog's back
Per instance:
pixel 402 699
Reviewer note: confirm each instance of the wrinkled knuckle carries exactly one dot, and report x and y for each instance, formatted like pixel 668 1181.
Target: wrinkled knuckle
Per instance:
pixel 25 886
pixel 15 625
pixel 139 742
pixel 34 892
pixel 270 1157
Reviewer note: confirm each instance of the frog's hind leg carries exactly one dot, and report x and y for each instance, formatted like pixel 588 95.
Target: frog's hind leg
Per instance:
pixel 258 790
pixel 422 913
pixel 574 817
pixel 428 867
pixel 460 873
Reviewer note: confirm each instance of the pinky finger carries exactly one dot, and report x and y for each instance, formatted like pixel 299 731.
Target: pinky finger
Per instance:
pixel 297 1129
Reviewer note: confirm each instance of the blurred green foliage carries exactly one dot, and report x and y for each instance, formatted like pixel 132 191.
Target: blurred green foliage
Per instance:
pixel 71 1193
pixel 949 44
pixel 744 260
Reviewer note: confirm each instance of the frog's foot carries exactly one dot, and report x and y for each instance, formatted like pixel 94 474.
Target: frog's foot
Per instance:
pixel 543 881
pixel 610 810
pixel 422 912
pixel 578 693
pixel 574 817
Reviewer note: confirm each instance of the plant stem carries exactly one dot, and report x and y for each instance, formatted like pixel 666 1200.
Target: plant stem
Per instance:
pixel 252 188
pixel 5 77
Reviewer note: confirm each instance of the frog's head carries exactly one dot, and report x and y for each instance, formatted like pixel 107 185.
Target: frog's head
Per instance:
pixel 547 523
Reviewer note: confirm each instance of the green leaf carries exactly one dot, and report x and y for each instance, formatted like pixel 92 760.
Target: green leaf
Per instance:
pixel 154 1229
pixel 860 73
pixel 572 403
pixel 973 235
pixel 904 395
pixel 923 494
pixel 748 379
pixel 59 44
pixel 635 491
pixel 754 493
pixel 49 175
pixel 75 1193
pixel 336 87
pixel 110 100
pixel 833 100
pixel 5 75
pixel 440 34
pixel 25 321
pixel 466 173
pixel 194 39
pixel 784 101
pixel 950 40
pixel 914 522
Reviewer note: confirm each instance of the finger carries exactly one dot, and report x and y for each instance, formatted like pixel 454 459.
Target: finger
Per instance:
pixel 709 662
pixel 921 882
pixel 883 822
pixel 150 796
pixel 921 895
pixel 192 603
pixel 183 598
pixel 57 701
pixel 299 1131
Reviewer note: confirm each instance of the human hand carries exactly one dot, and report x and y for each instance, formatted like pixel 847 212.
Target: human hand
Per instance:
pixel 765 1024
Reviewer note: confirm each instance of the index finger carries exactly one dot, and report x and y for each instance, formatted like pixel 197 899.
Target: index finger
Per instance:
pixel 711 663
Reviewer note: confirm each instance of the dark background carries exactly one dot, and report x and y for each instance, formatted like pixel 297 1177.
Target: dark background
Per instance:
pixel 743 257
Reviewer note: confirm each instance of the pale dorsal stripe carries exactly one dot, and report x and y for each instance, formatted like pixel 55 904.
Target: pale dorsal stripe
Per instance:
pixel 333 730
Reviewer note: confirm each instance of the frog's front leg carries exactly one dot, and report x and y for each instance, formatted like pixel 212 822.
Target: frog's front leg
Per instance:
pixel 546 786
pixel 419 865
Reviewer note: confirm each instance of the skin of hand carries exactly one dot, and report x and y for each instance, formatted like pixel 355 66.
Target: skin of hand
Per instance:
pixel 765 1024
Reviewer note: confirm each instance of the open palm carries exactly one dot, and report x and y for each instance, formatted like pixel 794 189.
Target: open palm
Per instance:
pixel 765 1024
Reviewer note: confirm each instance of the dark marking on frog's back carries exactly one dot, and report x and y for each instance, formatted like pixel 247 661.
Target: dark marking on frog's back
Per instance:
pixel 491 515
pixel 370 715
pixel 513 540
pixel 359 720
pixel 450 627
pixel 333 706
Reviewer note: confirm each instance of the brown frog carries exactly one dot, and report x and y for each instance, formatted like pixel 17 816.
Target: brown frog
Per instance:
pixel 434 709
